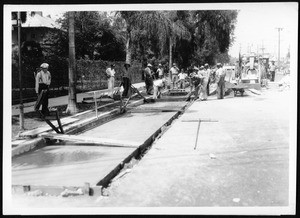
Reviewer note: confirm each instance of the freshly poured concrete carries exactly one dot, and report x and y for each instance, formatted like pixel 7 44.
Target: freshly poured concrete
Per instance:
pixel 135 126
pixel 69 165
pixel 66 165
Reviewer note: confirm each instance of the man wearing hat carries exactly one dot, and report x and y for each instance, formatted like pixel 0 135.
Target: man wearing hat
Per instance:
pixel 220 79
pixel 204 76
pixel 160 71
pixel 148 79
pixel 272 69
pixel 110 73
pixel 126 80
pixel 42 82
pixel 158 87
pixel 195 84
pixel 174 74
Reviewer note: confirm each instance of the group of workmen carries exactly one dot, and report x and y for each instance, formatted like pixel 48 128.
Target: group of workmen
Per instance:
pixel 199 80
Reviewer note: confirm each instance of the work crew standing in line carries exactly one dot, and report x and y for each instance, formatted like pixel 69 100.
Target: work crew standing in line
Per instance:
pixel 110 72
pixel 126 80
pixel 42 82
pixel 204 76
pixel 160 71
pixel 220 76
pixel 148 79
pixel 206 68
pixel 174 73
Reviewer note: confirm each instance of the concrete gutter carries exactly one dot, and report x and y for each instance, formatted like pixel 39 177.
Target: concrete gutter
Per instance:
pixel 99 189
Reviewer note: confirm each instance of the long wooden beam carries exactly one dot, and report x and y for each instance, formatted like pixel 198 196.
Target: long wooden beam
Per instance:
pixel 77 139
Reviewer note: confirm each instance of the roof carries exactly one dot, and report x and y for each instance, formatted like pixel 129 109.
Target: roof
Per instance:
pixel 36 20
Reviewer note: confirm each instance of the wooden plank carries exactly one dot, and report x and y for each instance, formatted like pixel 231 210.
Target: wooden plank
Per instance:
pixel 153 109
pixel 91 140
pixel 64 121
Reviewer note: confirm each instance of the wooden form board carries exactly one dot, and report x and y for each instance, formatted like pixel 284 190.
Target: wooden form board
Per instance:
pixel 91 140
pixel 64 121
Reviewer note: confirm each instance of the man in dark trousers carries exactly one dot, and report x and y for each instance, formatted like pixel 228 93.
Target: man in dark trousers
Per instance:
pixel 149 79
pixel 126 80
pixel 42 82
pixel 220 74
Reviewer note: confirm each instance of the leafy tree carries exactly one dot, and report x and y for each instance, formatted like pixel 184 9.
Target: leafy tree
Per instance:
pixel 213 33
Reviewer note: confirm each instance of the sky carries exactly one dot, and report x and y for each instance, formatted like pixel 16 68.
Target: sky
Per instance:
pixel 256 26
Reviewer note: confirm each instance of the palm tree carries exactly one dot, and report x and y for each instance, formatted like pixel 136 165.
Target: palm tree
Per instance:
pixel 165 24
pixel 72 103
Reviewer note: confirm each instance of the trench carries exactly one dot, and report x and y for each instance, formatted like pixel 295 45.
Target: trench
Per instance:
pixel 89 164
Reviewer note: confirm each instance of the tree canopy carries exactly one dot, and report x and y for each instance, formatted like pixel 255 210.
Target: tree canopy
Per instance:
pixel 184 37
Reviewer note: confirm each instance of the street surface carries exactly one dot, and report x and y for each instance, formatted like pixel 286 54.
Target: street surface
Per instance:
pixel 240 160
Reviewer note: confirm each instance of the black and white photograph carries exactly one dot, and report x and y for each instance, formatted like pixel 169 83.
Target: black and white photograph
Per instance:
pixel 154 108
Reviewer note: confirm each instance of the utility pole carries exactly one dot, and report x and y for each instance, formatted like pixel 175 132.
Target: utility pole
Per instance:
pixel 21 116
pixel 262 48
pixel 279 29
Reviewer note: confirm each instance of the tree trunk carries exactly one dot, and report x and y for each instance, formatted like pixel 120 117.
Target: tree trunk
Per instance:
pixel 170 54
pixel 128 49
pixel 72 103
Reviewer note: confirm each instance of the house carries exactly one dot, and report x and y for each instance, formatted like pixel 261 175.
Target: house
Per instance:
pixel 35 28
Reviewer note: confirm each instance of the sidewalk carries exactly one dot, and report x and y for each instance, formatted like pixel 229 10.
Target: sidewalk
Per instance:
pixel 58 101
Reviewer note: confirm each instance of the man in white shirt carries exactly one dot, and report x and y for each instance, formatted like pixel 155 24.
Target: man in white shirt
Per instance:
pixel 160 71
pixel 182 76
pixel 204 76
pixel 42 82
pixel 220 75
pixel 272 69
pixel 110 73
pixel 158 87
pixel 174 73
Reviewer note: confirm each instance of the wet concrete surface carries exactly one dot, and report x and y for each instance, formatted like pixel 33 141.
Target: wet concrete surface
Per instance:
pixel 66 165
pixel 135 127
pixel 70 165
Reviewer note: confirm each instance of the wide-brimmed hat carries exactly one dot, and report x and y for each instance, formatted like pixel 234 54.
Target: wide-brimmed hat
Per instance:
pixel 201 67
pixel 174 64
pixel 205 65
pixel 219 65
pixel 159 65
pixel 149 65
pixel 195 68
pixel 44 65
